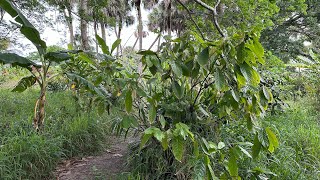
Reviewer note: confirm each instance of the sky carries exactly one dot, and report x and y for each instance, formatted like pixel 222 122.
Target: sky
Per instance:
pixel 59 35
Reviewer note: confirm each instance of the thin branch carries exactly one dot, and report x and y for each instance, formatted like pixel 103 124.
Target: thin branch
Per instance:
pixel 215 14
pixel 194 22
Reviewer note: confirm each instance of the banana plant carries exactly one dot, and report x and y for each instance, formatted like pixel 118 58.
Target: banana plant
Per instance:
pixel 39 71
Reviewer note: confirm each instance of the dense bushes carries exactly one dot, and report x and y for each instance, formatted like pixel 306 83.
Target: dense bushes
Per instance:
pixel 26 154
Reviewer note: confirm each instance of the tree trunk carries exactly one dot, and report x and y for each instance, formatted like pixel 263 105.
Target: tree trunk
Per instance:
pixel 95 25
pixel 69 21
pixel 140 26
pixel 38 120
pixel 170 19
pixel 84 25
pixel 103 31
pixel 119 35
pixel 140 31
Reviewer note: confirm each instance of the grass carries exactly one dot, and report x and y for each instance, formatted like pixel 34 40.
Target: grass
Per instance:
pixel 26 154
pixel 298 129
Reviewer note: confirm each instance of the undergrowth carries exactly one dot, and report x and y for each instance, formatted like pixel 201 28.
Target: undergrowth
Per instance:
pixel 26 154
pixel 298 157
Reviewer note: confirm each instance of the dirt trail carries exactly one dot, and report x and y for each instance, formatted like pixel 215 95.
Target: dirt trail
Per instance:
pixel 105 166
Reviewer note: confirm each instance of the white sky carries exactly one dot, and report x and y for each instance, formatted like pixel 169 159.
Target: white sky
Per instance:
pixel 59 35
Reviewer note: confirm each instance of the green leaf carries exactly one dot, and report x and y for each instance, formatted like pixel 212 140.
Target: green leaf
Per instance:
pixel 16 60
pixel 256 47
pixel 128 101
pixel 273 141
pixel 147 52
pixel 115 45
pixel 128 121
pixel 164 142
pixel 33 35
pixel 219 79
pixel 241 53
pixel 177 89
pixel 158 134
pixel 221 145
pixel 250 74
pixel 178 145
pixel 256 147
pixel 233 167
pixel 211 172
pixel 185 70
pixel 27 29
pixel 267 94
pixel 103 45
pixel 145 139
pixel 177 69
pixel 203 57
pixel 195 70
pixel 162 121
pixel 84 57
pixel 152 114
pixel 245 152
pixel 141 92
pixel 57 56
pixel 235 95
pixel 25 83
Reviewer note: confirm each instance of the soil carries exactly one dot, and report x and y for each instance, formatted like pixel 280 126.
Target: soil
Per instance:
pixel 105 166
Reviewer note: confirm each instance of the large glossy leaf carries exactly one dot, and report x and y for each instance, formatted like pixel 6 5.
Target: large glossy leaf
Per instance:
pixel 103 45
pixel 178 145
pixel 27 29
pixel 128 101
pixel 150 132
pixel 273 141
pixel 256 47
pixel 177 89
pixel 57 56
pixel 115 45
pixel 25 83
pixel 203 57
pixel 232 166
pixel 267 94
pixel 256 147
pixel 177 69
pixel 219 79
pixel 152 114
pixel 250 74
pixel 16 60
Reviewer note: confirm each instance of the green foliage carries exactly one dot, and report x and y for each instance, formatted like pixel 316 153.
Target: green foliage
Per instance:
pixel 26 154
pixel 25 83
pixel 16 60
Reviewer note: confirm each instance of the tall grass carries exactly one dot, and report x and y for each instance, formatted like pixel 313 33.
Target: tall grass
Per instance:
pixel 298 156
pixel 26 154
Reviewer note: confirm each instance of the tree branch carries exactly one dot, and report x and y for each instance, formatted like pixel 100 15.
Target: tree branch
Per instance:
pixel 194 22
pixel 215 14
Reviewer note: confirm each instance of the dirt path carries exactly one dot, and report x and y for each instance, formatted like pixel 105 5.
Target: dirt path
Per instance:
pixel 105 166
